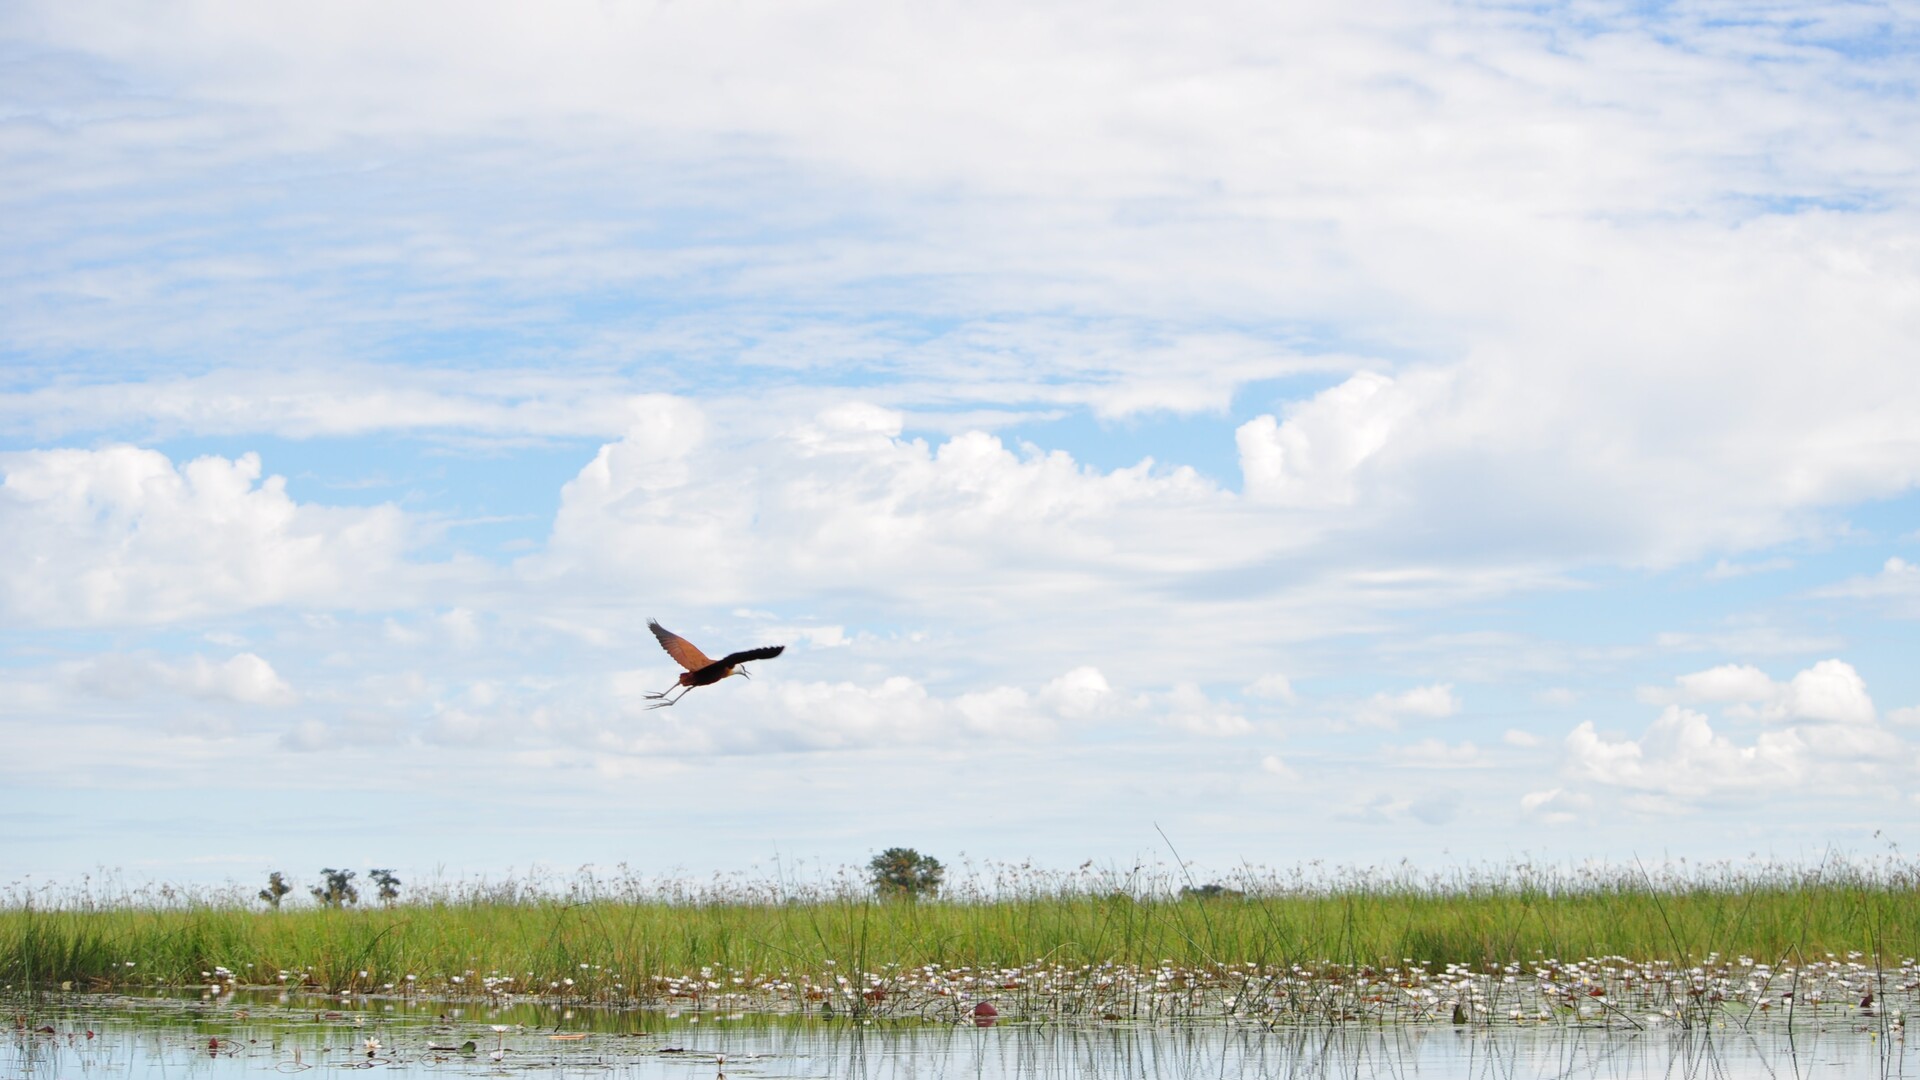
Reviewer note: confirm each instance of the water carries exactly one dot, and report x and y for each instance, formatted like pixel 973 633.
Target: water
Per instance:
pixel 235 1036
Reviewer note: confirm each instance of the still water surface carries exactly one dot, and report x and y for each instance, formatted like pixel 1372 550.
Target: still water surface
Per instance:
pixel 233 1036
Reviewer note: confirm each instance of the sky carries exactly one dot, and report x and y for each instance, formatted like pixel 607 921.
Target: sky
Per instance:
pixel 1425 433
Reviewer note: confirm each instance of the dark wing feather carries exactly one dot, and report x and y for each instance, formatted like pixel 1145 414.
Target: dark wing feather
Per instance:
pixel 765 652
pixel 679 648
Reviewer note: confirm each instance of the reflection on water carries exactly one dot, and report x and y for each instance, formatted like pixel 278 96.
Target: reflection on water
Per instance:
pixel 163 1038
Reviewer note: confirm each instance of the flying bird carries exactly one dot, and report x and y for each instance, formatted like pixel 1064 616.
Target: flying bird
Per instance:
pixel 701 671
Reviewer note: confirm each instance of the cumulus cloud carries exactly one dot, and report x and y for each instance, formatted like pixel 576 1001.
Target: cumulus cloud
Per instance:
pixel 1479 299
pixel 1079 694
pixel 1422 702
pixel 842 501
pixel 1434 808
pixel 1823 731
pixel 1680 754
pixel 1434 753
pixel 1273 688
pixel 1188 708
pixel 1830 691
pixel 1530 324
pixel 817 715
pixel 244 679
pixel 1313 457
pixel 1555 806
pixel 123 536
pixel 1275 765
pixel 453 725
pixel 1729 682
pixel 1897 585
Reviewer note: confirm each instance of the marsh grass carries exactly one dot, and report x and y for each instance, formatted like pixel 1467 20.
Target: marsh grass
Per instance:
pixel 1102 941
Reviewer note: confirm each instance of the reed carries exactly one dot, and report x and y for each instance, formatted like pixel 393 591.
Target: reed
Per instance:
pixel 627 939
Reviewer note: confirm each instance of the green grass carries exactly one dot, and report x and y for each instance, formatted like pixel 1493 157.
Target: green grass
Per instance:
pixel 618 943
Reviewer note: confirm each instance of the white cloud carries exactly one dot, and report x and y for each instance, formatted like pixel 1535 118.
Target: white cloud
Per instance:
pixel 1524 739
pixel 1429 701
pixel 1498 299
pixel 819 637
pixel 841 501
pixel 1898 582
pixel 1425 702
pixel 1830 691
pixel 453 725
pixel 1825 735
pixel 1273 688
pixel 1727 569
pixel 1079 694
pixel 309 736
pixel 120 535
pixel 332 400
pixel 1314 456
pixel 1001 711
pixel 1748 636
pixel 1534 307
pixel 461 625
pixel 1435 808
pixel 897 709
pixel 1681 755
pixel 791 715
pixel 243 679
pixel 1549 319
pixel 1188 708
pixel 1556 806
pixel 1434 753
pixel 1729 682
pixel 1275 765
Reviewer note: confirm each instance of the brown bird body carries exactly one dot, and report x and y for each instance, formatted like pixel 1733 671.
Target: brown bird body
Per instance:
pixel 701 670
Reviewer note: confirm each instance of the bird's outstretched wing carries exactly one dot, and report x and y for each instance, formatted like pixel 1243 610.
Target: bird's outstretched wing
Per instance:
pixel 765 652
pixel 679 648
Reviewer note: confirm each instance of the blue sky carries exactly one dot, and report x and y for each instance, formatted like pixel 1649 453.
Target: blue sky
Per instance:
pixel 1458 432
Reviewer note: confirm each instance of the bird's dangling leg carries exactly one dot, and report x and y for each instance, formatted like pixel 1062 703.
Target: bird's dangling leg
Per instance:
pixel 658 703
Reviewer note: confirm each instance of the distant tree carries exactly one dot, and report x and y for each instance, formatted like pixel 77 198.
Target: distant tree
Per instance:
pixel 339 889
pixel 1214 891
pixel 389 885
pixel 905 872
pixel 277 887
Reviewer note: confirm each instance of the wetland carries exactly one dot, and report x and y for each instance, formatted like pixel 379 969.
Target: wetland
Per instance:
pixel 1721 972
